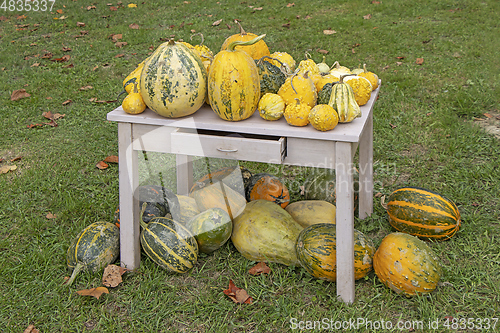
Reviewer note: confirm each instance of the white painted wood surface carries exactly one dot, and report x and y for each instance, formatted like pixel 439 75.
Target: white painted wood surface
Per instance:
pixel 305 147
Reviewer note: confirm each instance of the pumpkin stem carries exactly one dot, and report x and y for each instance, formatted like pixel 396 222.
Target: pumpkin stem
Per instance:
pixel 307 55
pixel 242 32
pixel 171 41
pixel 364 68
pixel 144 225
pixel 291 81
pixel 343 76
pixel 335 65
pixel 235 43
pixel 78 268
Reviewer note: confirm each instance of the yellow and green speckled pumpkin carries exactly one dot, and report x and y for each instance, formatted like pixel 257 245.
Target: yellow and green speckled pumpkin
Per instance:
pixel 316 250
pixel 423 213
pixel 234 83
pixel 271 106
pixel 323 117
pixel 406 264
pixel 173 81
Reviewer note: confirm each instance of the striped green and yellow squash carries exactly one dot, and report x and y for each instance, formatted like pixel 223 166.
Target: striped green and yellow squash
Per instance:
pixel 173 81
pixel 406 264
pixel 423 213
pixel 211 228
pixel 316 250
pixel 234 83
pixel 95 247
pixel 169 244
pixel 342 99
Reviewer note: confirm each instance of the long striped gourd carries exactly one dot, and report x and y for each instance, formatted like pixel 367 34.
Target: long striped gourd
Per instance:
pixel 342 99
pixel 173 81
pixel 169 244
pixel 95 247
pixel 234 83
pixel 423 213
pixel 316 250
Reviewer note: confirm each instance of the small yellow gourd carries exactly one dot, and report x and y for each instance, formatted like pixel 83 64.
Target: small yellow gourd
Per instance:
pixel 323 66
pixel 372 77
pixel 271 106
pixel 338 70
pixel 297 113
pixel 361 87
pixel 285 58
pixel 301 87
pixel 324 79
pixel 308 65
pixel 256 50
pixel 133 103
pixel 323 117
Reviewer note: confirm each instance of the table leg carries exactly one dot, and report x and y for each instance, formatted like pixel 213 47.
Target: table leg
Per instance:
pixel 344 169
pixel 130 251
pixel 184 166
pixel 366 170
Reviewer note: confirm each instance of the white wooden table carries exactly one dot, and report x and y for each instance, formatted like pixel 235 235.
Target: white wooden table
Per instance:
pixel 205 134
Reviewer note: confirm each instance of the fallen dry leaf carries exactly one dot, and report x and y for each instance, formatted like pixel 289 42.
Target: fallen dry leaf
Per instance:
pixel 134 26
pixel 111 159
pixel 31 329
pixel 91 7
pixel 260 268
pixel 290 5
pixel 367 17
pixel 86 88
pixel 62 59
pixel 19 94
pixel 50 123
pixel 66 102
pixel 120 44
pixel 419 61
pixel 50 216
pixel 7 168
pixel 94 292
pixel 16 158
pixel 116 37
pixel 120 55
pixel 113 8
pixel 66 49
pixel 112 275
pixel 36 64
pixel 329 32
pixel 217 22
pixel 51 116
pixel 101 165
pixel 59 11
pixel 80 24
pixel 237 295
pixel 323 51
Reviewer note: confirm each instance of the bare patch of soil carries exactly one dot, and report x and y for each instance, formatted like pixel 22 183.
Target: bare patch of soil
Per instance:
pixel 491 123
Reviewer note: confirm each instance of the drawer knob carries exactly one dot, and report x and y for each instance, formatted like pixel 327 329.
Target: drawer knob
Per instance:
pixel 227 150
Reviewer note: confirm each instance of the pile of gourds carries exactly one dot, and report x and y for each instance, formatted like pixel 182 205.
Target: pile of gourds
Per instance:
pixel 244 77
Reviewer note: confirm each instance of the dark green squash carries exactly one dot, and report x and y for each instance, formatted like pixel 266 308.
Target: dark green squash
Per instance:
pixel 169 244
pixel 211 228
pixel 95 247
pixel 324 94
pixel 271 77
pixel 160 202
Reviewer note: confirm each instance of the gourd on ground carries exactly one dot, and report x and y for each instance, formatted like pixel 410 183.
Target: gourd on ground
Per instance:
pixel 423 213
pixel 211 228
pixel 406 265
pixel 234 83
pixel 267 187
pixel 173 81
pixel 316 250
pixel 308 212
pixel 219 195
pixel 95 247
pixel 266 232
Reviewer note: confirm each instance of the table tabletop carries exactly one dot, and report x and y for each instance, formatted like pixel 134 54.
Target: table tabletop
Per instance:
pixel 207 119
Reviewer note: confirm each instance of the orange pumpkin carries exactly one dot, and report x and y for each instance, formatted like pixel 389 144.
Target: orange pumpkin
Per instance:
pixel 267 187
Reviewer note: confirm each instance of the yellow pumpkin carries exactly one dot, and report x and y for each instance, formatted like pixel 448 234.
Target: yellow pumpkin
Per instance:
pixel 301 87
pixel 219 195
pixel 338 70
pixel 133 103
pixel 308 65
pixel 361 87
pixel 234 83
pixel 323 117
pixel 297 113
pixel 255 50
pixel 283 58
pixel 271 106
pixel 372 77
pixel 322 79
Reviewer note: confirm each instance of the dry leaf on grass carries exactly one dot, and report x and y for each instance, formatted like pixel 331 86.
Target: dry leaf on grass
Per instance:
pixel 217 22
pixel 31 329
pixel 134 26
pixel 329 32
pixel 101 165
pixel 19 94
pixel 112 275
pixel 111 159
pixel 237 295
pixel 94 292
pixel 86 88
pixel 50 216
pixel 367 17
pixel 419 61
pixel 7 168
pixel 260 268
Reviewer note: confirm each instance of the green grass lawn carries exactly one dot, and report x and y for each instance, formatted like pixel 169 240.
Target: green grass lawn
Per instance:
pixel 424 135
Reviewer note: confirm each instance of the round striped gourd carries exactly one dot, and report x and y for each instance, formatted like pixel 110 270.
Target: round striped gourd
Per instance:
pixel 211 228
pixel 234 83
pixel 316 250
pixel 308 212
pixel 173 81
pixel 169 244
pixel 255 50
pixel 95 247
pixel 406 264
pixel 423 213
pixel 267 187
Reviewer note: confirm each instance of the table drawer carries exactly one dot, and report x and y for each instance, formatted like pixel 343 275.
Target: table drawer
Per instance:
pixel 218 144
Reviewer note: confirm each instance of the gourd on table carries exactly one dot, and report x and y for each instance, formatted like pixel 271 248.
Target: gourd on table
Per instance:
pixel 255 50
